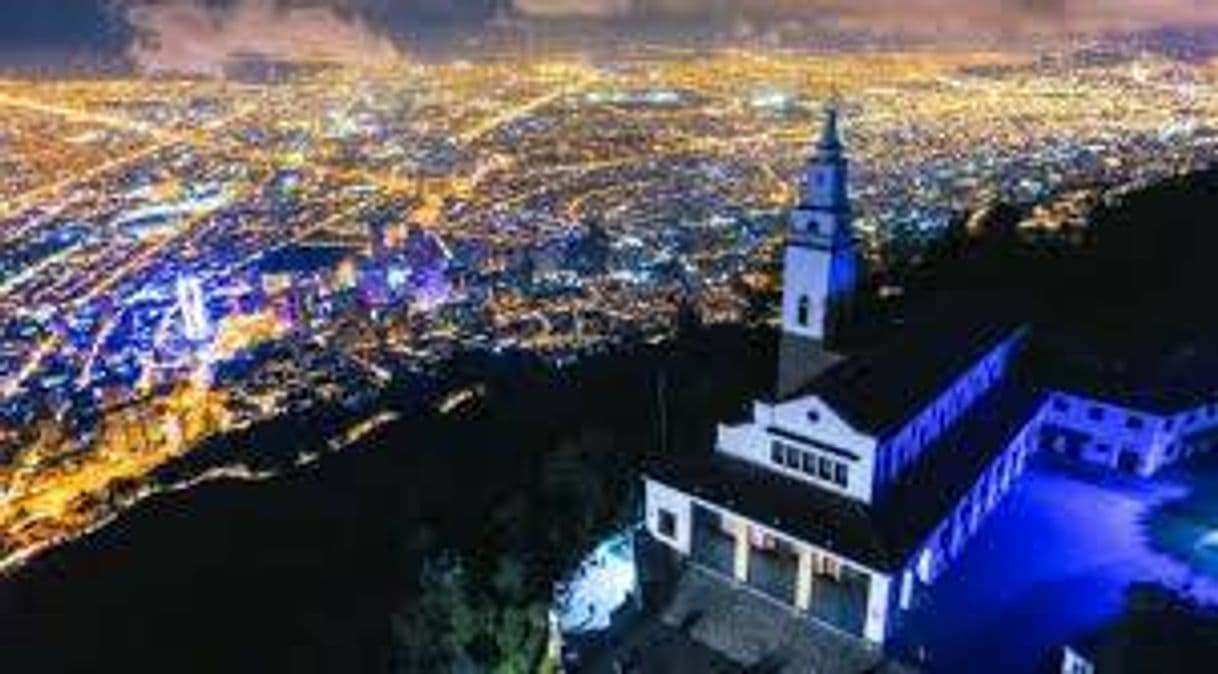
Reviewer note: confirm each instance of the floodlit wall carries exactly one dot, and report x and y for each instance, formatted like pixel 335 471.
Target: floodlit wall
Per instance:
pixel 814 564
pixel 901 449
pixel 1122 437
pixel 947 541
pixel 805 440
pixel 669 515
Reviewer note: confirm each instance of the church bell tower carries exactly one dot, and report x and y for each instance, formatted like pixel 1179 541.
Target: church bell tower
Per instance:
pixel 820 264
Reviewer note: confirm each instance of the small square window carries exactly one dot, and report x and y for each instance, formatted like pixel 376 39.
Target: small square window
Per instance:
pixel 840 473
pixel 1134 422
pixel 1061 404
pixel 667 524
pixel 1095 413
pixel 809 465
pixel 793 457
pixel 826 468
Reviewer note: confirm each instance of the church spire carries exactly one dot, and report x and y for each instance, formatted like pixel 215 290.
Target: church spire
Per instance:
pixel 820 266
pixel 824 200
pixel 830 139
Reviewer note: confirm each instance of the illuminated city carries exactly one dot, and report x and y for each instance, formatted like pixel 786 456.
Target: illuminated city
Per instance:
pixel 216 236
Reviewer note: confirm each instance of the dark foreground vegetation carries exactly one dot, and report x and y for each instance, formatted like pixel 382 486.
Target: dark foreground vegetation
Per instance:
pixel 1160 631
pixel 434 543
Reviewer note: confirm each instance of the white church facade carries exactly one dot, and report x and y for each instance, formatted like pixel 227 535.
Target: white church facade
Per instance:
pixel 851 490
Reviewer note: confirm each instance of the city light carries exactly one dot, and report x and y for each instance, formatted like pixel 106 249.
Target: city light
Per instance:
pixel 242 242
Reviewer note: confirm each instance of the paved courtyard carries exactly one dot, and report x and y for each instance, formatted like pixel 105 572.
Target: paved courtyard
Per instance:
pixel 1051 565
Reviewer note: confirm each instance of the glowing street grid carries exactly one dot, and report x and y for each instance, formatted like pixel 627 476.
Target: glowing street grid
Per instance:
pixel 1051 565
pixel 181 257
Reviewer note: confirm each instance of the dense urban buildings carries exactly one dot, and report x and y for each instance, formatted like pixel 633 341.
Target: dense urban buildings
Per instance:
pixel 386 218
pixel 264 245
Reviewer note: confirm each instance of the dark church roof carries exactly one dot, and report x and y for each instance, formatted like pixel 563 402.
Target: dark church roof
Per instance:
pixel 879 391
pixel 924 496
pixel 884 534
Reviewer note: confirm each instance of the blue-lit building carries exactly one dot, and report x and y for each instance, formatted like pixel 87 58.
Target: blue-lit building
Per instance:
pixel 1133 415
pixel 854 487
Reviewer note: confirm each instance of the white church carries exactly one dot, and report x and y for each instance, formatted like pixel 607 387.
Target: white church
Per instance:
pixel 856 486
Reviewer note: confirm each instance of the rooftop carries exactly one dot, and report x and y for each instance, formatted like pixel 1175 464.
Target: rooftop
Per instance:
pixel 882 535
pixel 878 391
pixel 909 509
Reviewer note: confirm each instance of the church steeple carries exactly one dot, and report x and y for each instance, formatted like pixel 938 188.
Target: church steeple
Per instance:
pixel 820 265
pixel 830 139
pixel 823 213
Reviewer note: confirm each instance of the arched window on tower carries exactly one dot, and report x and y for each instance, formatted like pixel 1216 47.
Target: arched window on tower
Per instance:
pixel 804 311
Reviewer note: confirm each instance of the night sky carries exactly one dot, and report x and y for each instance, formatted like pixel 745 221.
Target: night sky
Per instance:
pixel 48 31
pixel 171 34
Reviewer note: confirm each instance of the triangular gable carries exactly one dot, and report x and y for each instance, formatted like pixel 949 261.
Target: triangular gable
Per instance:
pixel 813 418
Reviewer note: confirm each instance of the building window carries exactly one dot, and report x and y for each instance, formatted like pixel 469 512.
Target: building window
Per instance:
pixel 793 457
pixel 804 311
pixel 1061 404
pixel 809 466
pixel 826 468
pixel 1129 461
pixel 1134 422
pixel 925 561
pixel 1095 413
pixel 667 524
pixel 841 474
pixel 776 453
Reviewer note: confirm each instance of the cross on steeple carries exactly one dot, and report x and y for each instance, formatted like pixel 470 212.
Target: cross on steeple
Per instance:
pixel 830 138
